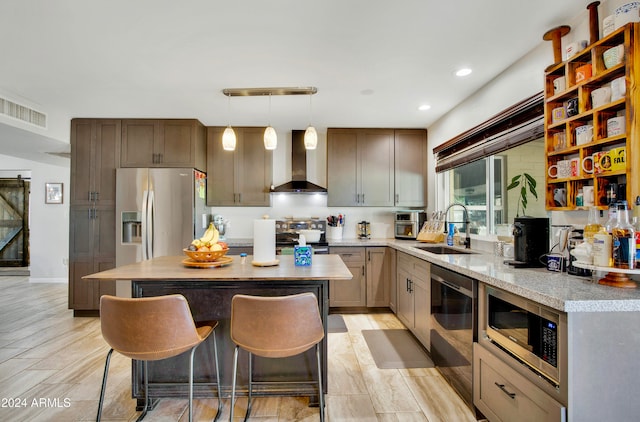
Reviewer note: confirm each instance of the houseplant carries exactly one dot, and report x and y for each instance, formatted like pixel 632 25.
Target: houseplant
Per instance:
pixel 527 184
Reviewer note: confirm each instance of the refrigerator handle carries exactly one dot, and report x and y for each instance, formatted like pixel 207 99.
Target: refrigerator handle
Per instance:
pixel 145 226
pixel 150 223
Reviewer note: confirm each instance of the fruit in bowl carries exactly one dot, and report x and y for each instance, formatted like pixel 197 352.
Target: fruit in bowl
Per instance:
pixel 208 248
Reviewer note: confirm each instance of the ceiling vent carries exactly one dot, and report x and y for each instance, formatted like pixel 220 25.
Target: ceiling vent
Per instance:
pixel 22 113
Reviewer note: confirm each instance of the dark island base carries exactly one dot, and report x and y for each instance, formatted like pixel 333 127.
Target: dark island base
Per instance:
pixel 211 300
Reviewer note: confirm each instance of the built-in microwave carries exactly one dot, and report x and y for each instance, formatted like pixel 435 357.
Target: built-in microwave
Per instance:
pixel 408 224
pixel 528 331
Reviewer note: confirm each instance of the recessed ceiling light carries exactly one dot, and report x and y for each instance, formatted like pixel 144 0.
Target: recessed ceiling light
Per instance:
pixel 463 72
pixel 424 107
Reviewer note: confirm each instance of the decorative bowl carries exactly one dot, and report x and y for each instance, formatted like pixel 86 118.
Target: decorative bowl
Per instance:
pixel 205 256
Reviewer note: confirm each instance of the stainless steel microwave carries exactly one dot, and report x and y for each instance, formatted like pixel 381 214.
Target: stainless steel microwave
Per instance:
pixel 530 332
pixel 408 224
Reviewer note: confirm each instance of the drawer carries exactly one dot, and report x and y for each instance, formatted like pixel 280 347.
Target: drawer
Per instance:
pixel 503 394
pixel 348 254
pixel 418 268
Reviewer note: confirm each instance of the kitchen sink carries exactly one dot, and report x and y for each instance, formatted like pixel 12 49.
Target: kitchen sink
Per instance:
pixel 444 250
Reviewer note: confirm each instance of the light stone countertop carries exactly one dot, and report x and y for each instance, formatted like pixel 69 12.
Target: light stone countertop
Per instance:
pixel 559 291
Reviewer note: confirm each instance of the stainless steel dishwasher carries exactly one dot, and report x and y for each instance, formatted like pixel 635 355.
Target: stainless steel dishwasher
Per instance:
pixel 453 328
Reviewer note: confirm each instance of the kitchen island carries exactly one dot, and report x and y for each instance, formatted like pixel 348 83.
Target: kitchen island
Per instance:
pixel 209 292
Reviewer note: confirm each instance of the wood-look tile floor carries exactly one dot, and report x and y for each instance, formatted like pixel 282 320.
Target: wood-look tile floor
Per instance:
pixel 51 369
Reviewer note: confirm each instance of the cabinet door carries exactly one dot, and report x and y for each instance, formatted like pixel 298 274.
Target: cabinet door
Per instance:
pixel 422 311
pixel 82 176
pixel 139 140
pixel 375 160
pixel 378 276
pixel 405 298
pixel 393 280
pixel 106 161
pixel 342 168
pixel 254 169
pixel 348 293
pixel 222 169
pixel 410 167
pixel 181 144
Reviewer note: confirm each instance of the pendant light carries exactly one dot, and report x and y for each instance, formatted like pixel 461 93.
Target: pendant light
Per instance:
pixel 270 135
pixel 229 136
pixel 310 135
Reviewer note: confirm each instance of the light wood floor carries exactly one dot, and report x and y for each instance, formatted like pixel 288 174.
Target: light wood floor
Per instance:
pixel 51 367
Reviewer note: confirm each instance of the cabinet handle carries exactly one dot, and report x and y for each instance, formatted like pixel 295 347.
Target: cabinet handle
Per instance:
pixel 240 198
pixel 410 286
pixel 357 198
pixel 363 270
pixel 397 197
pixel 96 196
pixel 90 196
pixel 363 198
pixel 501 386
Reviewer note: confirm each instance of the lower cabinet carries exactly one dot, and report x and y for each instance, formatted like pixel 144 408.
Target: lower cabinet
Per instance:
pixel 346 293
pixel 413 287
pixel 502 394
pixel 373 271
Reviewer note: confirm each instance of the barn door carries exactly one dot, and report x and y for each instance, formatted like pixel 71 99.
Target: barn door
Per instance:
pixel 14 222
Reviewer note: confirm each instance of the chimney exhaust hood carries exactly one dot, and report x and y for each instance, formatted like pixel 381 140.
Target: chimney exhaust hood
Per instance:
pixel 299 182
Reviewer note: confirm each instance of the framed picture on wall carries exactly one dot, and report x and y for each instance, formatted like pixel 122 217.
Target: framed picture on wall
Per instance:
pixel 53 193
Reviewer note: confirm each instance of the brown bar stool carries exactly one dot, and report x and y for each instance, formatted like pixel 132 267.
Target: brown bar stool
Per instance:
pixel 153 328
pixel 275 327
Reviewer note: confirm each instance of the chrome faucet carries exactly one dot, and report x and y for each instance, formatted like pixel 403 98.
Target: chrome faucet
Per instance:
pixel 467 239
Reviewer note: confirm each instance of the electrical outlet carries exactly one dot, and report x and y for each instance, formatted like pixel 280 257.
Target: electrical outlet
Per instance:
pixel 65 261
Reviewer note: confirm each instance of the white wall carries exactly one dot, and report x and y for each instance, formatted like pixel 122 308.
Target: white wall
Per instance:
pixel 48 223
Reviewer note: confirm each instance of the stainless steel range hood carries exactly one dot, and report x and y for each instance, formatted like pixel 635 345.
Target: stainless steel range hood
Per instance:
pixel 299 182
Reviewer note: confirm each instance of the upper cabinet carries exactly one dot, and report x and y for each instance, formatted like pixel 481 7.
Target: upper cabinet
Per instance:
pixel 376 167
pixel 241 177
pixel 163 143
pixel 591 129
pixel 410 167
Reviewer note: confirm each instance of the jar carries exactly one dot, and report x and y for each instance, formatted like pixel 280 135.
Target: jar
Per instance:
pixel 602 252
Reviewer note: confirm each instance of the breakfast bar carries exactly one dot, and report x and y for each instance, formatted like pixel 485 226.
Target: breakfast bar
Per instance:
pixel 209 292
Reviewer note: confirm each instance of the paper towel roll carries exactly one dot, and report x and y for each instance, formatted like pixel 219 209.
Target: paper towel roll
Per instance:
pixel 264 241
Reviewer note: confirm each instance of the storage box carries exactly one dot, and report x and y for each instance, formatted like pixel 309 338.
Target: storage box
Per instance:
pixel 302 256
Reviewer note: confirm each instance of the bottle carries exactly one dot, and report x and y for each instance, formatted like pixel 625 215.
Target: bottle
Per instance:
pixel 593 225
pixel 612 216
pixel 624 239
pixel 243 258
pixel 580 198
pixel 602 256
pixel 450 232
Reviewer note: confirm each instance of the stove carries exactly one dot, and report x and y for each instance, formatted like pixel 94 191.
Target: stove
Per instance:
pixel 287 234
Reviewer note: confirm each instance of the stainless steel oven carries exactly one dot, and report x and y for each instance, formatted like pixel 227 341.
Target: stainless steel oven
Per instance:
pixel 453 328
pixel 287 233
pixel 408 224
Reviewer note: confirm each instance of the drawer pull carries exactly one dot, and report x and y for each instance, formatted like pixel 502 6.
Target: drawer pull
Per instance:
pixel 501 386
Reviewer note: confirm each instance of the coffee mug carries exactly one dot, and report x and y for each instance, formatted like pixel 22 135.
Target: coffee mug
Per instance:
pixel 574 47
pixel 574 167
pixel 559 84
pixel 584 134
pixel 572 107
pixel 600 96
pixel 583 72
pixel 587 194
pixel 618 88
pixel 618 162
pixel 560 170
pixel 558 113
pixel 560 197
pixel 559 141
pixel 616 126
pixel 599 162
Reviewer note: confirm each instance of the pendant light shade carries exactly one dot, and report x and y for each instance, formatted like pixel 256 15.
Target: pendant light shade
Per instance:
pixel 270 138
pixel 229 139
pixel 310 138
pixel 229 135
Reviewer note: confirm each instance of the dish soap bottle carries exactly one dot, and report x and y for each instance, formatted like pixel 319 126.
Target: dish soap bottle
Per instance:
pixel 450 232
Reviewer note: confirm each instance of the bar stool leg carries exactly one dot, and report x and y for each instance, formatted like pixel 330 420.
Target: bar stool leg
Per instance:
pixel 145 371
pixel 191 383
pixel 233 383
pixel 104 385
pixel 320 392
pixel 215 356
pixel 249 401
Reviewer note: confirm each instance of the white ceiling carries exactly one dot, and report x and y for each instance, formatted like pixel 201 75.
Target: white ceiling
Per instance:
pixel 373 62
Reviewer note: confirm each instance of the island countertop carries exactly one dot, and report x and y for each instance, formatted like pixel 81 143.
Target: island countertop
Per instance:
pixel 171 268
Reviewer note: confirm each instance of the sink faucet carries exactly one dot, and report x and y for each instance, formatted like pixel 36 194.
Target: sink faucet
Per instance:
pixel 467 240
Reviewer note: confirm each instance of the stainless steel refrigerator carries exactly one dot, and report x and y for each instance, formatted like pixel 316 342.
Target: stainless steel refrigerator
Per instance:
pixel 159 211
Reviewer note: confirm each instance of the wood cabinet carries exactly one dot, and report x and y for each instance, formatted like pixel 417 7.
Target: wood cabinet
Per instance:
pixel 378 274
pixel 360 166
pixel 349 293
pixel 608 161
pixel 242 177
pixel 163 143
pixel 502 394
pixel 410 152
pixel 94 158
pixel 413 305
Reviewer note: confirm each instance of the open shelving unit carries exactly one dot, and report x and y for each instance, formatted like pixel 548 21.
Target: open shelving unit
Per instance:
pixel 626 180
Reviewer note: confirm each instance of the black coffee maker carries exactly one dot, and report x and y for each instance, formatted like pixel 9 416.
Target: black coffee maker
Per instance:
pixel 530 241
